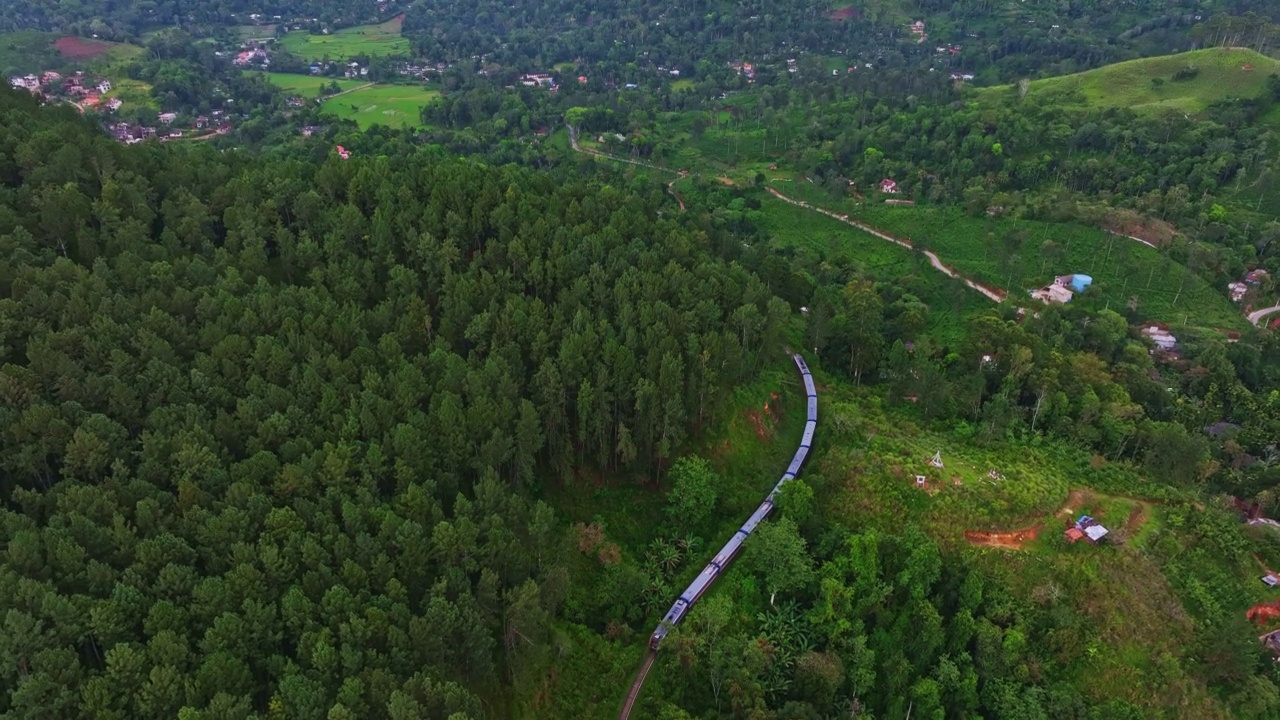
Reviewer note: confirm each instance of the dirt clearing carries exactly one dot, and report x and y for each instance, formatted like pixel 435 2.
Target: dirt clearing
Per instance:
pixel 78 48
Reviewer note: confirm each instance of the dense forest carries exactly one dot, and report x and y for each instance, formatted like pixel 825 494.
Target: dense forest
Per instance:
pixel 268 425
pixel 128 19
pixel 278 429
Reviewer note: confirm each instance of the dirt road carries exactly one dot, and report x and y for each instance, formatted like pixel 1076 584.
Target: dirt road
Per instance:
pixel 993 295
pixel 1256 316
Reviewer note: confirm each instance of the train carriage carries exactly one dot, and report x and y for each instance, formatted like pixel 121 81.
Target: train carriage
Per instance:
pixel 713 569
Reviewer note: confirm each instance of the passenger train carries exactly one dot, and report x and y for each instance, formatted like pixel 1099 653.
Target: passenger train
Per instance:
pixel 730 549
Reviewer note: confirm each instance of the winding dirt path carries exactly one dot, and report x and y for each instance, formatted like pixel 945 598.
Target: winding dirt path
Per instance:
pixel 995 295
pixel 990 294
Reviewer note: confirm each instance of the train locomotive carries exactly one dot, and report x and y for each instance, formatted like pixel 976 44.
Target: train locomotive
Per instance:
pixel 731 548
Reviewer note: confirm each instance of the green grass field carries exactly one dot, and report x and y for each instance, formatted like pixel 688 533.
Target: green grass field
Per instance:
pixel 308 85
pixel 133 92
pixel 1222 75
pixel 394 105
pixel 247 32
pixel 370 40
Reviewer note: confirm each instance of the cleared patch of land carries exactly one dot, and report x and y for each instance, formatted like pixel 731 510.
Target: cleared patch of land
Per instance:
pixel 370 40
pixel 1149 84
pixel 78 48
pixel 309 85
pixel 393 105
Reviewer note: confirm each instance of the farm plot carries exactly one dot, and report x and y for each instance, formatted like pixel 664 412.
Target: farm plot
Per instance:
pixel 366 40
pixel 393 105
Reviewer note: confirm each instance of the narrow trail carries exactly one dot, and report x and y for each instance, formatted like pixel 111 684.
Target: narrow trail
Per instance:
pixel 573 141
pixel 322 98
pixel 993 295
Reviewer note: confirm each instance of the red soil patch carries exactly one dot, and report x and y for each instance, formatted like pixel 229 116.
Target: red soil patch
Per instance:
pixel 1262 613
pixel 754 416
pixel 848 12
pixel 1008 540
pixel 78 48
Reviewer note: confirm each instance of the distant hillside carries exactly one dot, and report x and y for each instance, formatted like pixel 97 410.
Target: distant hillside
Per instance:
pixel 1205 77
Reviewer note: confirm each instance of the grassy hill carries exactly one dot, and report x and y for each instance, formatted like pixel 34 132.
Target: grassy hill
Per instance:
pixel 371 40
pixel 1129 619
pixel 1148 84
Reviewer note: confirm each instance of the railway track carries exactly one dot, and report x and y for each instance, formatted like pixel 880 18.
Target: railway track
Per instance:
pixel 639 683
pixel 712 571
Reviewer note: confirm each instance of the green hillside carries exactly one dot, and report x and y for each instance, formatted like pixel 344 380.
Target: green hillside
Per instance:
pixel 1149 84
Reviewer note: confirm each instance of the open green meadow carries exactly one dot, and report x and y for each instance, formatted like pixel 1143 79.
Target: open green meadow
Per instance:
pixel 133 92
pixel 366 40
pixel 309 85
pixel 394 105
pixel 253 32
pixel 1148 84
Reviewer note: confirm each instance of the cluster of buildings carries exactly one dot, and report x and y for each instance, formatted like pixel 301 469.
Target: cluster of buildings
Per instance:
pixel 79 88
pixel 216 123
pixel 420 72
pixel 252 58
pixel 1240 288
pixel 538 80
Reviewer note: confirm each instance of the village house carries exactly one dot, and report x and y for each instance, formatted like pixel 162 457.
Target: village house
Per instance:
pixel 1053 293
pixel 537 80
pixel 167 117
pixel 889 187
pixel 114 104
pixel 1160 335
pixel 104 86
pixel 1237 291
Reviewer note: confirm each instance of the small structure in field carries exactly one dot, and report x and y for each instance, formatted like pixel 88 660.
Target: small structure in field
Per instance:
pixel 1270 580
pixel 1091 528
pixel 1074 535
